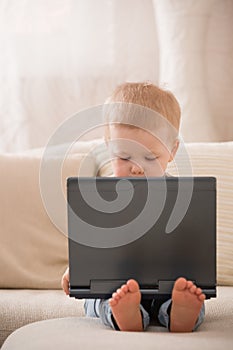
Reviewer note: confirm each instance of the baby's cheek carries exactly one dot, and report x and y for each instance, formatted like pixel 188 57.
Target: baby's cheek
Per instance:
pixel 119 167
pixel 155 169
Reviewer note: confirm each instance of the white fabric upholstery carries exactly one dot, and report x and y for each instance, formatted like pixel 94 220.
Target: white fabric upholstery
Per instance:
pixel 18 307
pixel 33 252
pixel 88 333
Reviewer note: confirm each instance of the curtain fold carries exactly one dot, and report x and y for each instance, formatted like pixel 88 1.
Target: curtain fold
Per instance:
pixel 61 56
pixel 196 62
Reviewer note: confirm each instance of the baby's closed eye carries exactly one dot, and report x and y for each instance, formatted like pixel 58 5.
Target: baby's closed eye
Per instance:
pixel 151 158
pixel 125 158
pixel 122 156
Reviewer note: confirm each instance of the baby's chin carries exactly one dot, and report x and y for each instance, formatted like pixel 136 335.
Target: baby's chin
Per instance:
pixel 157 174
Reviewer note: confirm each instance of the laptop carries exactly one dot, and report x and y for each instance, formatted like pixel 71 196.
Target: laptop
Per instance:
pixel 153 230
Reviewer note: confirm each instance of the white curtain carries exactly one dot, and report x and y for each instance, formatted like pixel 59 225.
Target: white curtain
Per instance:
pixel 196 60
pixel 60 56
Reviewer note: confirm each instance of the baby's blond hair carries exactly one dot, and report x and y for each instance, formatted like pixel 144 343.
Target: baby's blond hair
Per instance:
pixel 133 101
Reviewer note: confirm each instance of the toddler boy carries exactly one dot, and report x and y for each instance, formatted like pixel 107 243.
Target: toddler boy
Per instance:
pixel 142 127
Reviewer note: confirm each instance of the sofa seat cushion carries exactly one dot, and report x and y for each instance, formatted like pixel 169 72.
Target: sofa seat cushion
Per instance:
pixel 19 307
pixel 88 333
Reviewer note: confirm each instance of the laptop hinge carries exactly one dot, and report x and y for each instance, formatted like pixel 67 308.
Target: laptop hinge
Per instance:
pixel 165 287
pixel 105 286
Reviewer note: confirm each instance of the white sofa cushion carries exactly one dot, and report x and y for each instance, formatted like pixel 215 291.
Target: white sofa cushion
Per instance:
pixel 33 252
pixel 89 333
pixel 20 307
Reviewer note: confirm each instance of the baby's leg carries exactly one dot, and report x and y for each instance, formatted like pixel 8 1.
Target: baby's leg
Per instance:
pixel 187 301
pixel 125 305
pixel 91 307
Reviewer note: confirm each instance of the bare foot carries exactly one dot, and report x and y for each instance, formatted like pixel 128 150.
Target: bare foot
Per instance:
pixel 187 301
pixel 125 305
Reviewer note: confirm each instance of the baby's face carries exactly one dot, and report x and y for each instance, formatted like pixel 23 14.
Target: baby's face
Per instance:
pixel 136 152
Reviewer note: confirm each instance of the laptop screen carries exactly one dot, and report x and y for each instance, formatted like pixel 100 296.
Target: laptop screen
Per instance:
pixel 153 230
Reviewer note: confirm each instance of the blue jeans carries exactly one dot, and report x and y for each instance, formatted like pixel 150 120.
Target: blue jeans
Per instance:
pixel 100 308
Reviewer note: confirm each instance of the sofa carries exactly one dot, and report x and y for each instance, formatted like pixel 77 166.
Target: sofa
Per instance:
pixel 34 311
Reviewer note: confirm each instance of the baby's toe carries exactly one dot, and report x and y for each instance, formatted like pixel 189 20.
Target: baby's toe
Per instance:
pixel 115 296
pixel 201 297
pixel 189 284
pixel 124 288
pixel 198 291
pixel 112 302
pixel 120 292
pixel 193 289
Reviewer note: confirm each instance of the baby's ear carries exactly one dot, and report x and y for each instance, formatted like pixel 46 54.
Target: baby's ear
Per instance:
pixel 174 150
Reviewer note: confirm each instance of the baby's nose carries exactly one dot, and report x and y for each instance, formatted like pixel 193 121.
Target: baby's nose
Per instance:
pixel 137 169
